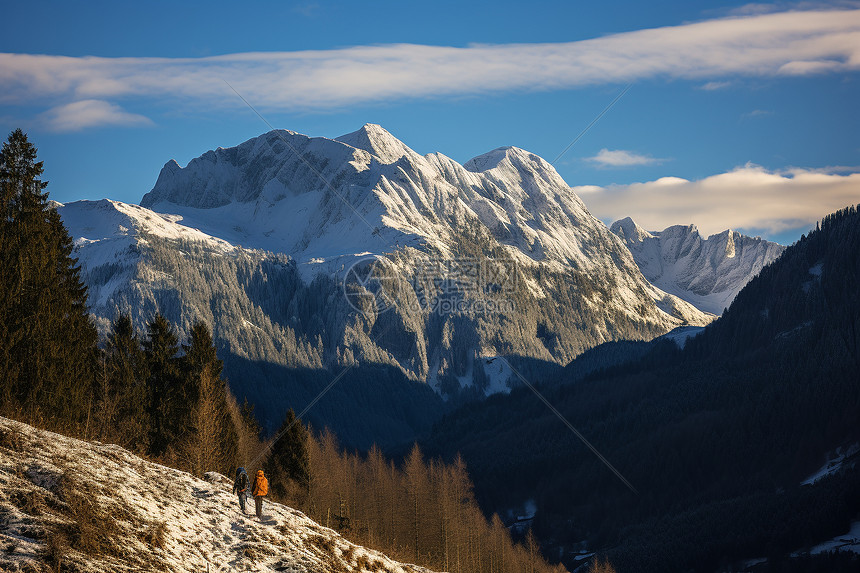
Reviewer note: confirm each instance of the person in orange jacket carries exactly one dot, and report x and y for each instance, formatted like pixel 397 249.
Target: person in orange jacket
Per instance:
pixel 261 490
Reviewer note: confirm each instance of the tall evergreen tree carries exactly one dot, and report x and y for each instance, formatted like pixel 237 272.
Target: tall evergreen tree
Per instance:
pixel 165 411
pixel 200 352
pixel 212 441
pixel 122 392
pixel 48 345
pixel 288 459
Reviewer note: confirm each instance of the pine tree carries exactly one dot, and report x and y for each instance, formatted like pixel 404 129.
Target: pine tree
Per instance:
pixel 418 487
pixel 288 459
pixel 200 352
pixel 48 345
pixel 212 440
pixel 122 394
pixel 165 411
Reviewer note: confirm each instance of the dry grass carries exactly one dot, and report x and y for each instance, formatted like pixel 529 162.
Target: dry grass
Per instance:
pixel 324 544
pixel 155 535
pixel 326 547
pixel 250 553
pixel 31 502
pixel 92 528
pixel 11 440
pixel 362 563
pixel 57 550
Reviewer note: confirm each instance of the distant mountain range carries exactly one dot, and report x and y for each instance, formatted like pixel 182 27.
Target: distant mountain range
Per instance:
pixel 268 242
pixel 708 273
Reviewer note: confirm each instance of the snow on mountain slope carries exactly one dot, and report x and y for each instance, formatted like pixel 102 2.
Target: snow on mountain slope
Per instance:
pixel 366 191
pixel 108 237
pixel 78 506
pixel 709 273
pixel 328 201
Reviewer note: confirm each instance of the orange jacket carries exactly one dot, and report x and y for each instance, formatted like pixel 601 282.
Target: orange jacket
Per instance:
pixel 261 485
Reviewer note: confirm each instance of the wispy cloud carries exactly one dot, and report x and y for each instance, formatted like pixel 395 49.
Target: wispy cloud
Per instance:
pixel 621 158
pixel 756 113
pixel 749 197
pixel 307 9
pixel 773 44
pixel 89 113
pixel 713 86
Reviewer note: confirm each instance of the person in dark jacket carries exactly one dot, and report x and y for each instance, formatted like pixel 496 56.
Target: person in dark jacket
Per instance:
pixel 240 486
pixel 261 490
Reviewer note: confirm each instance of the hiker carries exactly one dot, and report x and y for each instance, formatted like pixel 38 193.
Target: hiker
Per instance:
pixel 240 486
pixel 261 490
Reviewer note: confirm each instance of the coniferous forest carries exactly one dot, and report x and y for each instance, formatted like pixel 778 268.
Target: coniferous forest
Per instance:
pixel 166 399
pixel 717 438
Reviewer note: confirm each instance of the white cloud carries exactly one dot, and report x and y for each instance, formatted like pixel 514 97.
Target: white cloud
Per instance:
pixel 783 43
pixel 89 113
pixel 749 197
pixel 757 113
pixel 712 86
pixel 621 158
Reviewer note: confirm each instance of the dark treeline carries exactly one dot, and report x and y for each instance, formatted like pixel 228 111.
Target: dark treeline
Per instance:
pixel 167 401
pixel 48 345
pixel 717 438
pixel 144 393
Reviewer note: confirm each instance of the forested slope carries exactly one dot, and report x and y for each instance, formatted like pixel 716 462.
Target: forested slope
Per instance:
pixel 716 438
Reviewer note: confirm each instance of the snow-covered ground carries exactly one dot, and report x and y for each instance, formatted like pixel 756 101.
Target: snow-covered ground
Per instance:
pixel 81 506
pixel 681 334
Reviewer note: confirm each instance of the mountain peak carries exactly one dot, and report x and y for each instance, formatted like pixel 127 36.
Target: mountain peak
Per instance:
pixel 493 159
pixel 706 272
pixel 377 141
pixel 628 230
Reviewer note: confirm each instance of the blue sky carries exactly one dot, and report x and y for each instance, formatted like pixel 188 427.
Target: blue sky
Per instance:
pixel 738 115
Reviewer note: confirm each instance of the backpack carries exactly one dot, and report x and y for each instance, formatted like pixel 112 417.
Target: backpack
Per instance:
pixel 241 479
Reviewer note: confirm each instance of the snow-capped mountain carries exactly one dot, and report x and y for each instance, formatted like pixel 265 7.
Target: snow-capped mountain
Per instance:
pixel 325 202
pixel 128 514
pixel 258 239
pixel 320 200
pixel 708 272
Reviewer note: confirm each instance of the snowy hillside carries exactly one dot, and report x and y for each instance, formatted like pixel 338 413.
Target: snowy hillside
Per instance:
pixel 708 272
pixel 90 507
pixel 109 236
